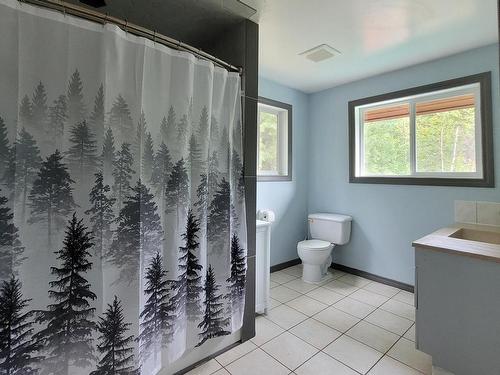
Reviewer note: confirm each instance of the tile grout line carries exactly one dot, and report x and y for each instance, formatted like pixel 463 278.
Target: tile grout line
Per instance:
pixel 307 317
pixel 360 319
pixel 332 305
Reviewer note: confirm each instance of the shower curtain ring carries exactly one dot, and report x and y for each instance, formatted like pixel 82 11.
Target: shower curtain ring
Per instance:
pixel 154 36
pixel 126 26
pixel 105 19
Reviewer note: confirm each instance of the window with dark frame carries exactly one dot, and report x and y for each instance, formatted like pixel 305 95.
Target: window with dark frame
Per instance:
pixel 274 141
pixel 438 134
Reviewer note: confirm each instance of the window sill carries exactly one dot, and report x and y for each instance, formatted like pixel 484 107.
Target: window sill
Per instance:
pixel 428 181
pixel 274 178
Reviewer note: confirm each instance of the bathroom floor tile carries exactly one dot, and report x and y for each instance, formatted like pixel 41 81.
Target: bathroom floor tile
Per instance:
pixel 281 277
pixel 339 287
pixel 353 307
pixel 354 280
pixel 285 316
pixel 389 366
pixel 283 294
pixel 294 270
pixel 272 284
pixel 404 351
pixel 406 297
pixel 325 295
pixel 237 352
pixel 330 276
pixel 399 308
pixel 410 334
pixel 336 319
pixel 222 371
pixel 257 362
pixel 379 288
pixel 368 297
pixel 322 364
pixel 352 353
pixel 307 305
pixel 289 350
pixel 206 368
pixel 300 286
pixel 315 333
pixel 336 273
pixel 389 321
pixel 372 335
pixel 265 330
pixel 273 303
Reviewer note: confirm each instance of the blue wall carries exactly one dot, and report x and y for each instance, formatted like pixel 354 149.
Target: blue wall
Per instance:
pixel 387 217
pixel 288 199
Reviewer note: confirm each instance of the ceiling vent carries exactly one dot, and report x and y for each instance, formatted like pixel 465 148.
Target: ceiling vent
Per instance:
pixel 320 53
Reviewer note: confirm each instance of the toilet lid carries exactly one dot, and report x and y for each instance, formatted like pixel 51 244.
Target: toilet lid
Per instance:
pixel 314 245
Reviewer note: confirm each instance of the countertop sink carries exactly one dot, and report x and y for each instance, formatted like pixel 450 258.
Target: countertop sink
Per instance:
pixel 473 240
pixel 477 235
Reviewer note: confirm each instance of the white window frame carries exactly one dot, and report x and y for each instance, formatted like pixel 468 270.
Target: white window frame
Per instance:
pixel 283 113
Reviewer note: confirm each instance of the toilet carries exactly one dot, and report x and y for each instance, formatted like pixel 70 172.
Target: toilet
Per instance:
pixel 327 230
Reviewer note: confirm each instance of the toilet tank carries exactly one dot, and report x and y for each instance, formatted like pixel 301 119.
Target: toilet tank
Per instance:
pixel 333 228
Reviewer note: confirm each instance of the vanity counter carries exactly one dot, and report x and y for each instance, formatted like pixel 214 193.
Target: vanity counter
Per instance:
pixel 457 298
pixel 474 240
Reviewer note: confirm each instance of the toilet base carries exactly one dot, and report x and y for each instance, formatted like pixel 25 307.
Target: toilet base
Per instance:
pixel 312 274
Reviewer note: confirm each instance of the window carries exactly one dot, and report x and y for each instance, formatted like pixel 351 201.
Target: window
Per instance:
pixel 439 134
pixel 274 146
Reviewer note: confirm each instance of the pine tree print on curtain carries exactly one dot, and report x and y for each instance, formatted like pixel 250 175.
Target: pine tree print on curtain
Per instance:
pixel 11 249
pixel 96 118
pixel 214 323
pixel 120 175
pixel 82 155
pixel 114 344
pixel 24 167
pixel 67 336
pixel 76 107
pixel 237 280
pixel 138 236
pixel 108 156
pixel 58 115
pixel 158 313
pixel 101 212
pixel 51 197
pixel 219 217
pixel 4 147
pixel 18 350
pixel 177 192
pixel 162 167
pixel 188 286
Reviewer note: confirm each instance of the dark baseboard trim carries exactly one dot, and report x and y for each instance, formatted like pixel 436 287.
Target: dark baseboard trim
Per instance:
pixel 212 356
pixel 282 266
pixel 371 276
pixel 354 271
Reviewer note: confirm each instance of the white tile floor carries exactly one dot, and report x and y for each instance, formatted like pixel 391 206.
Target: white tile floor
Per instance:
pixel 348 325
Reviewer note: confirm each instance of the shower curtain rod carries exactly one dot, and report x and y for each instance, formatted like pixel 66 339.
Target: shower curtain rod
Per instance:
pixel 92 15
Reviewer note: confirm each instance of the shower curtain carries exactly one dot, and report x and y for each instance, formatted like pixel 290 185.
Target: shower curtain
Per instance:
pixel 122 217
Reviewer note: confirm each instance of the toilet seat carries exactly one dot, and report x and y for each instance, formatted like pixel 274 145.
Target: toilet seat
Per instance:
pixel 314 245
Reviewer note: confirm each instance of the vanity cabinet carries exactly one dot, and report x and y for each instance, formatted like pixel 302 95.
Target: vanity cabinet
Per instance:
pixel 263 265
pixel 457 300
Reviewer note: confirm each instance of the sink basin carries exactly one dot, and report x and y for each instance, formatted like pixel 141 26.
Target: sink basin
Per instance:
pixel 477 235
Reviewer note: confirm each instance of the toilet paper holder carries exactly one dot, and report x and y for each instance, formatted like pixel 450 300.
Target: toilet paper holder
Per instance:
pixel 266 215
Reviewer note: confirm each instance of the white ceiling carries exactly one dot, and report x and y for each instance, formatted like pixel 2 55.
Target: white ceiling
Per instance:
pixel 373 36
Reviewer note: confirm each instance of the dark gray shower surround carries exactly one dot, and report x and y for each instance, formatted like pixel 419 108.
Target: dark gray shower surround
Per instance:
pixel 121 227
